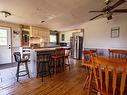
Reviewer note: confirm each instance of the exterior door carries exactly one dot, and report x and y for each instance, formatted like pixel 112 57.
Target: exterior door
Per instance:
pixel 5 45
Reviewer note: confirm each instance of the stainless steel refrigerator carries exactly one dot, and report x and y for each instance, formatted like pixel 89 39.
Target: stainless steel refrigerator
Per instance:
pixel 76 44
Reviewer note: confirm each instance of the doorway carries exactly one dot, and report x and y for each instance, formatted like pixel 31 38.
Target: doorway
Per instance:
pixel 5 45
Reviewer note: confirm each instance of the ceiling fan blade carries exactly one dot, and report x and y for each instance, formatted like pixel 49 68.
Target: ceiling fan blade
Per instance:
pixel 95 11
pixel 117 4
pixel 96 16
pixel 120 11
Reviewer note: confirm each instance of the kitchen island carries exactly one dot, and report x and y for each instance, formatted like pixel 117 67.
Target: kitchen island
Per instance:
pixel 34 57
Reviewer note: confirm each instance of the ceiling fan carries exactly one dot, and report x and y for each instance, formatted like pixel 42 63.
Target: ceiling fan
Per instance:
pixel 109 10
pixel 5 13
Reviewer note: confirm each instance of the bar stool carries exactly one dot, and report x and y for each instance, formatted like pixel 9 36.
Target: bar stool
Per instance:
pixel 20 61
pixel 44 64
pixel 66 56
pixel 58 59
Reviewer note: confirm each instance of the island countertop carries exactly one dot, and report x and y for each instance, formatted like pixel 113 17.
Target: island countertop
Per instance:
pixel 43 49
pixel 47 49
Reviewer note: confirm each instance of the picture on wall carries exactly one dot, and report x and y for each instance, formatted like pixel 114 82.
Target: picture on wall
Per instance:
pixel 115 31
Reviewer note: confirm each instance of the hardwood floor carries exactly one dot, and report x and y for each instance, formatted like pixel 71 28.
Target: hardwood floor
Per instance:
pixel 64 83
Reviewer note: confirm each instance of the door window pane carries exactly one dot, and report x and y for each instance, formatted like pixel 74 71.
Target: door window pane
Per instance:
pixel 3 37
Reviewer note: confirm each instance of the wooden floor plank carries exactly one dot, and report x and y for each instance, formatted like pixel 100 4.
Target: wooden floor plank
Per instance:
pixel 63 83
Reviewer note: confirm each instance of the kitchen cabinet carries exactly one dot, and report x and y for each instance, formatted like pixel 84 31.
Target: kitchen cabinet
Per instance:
pixel 40 33
pixel 25 35
pixel 37 32
pixel 34 32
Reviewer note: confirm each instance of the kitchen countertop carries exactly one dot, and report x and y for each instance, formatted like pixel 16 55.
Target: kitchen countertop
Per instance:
pixel 47 49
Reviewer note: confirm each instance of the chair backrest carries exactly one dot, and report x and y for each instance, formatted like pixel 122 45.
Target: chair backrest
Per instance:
pixel 67 51
pixel 17 56
pixel 94 52
pixel 118 54
pixel 43 57
pixel 59 51
pixel 108 74
pixel 88 53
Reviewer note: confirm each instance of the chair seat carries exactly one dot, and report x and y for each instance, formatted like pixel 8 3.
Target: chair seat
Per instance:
pixel 66 56
pixel 56 56
pixel 24 60
pixel 87 64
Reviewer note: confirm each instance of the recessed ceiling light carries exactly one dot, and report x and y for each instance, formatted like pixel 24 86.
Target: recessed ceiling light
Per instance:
pixel 42 21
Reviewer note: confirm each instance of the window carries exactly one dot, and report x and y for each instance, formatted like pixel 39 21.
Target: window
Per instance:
pixel 3 37
pixel 53 38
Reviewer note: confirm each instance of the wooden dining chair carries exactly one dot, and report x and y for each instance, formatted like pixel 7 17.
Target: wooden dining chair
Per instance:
pixel 110 76
pixel 88 66
pixel 118 54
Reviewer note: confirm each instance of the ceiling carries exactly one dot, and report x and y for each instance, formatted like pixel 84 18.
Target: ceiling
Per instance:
pixel 57 14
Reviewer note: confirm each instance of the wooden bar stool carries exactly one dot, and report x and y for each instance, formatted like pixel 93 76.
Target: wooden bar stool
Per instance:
pixel 66 56
pixel 58 59
pixel 20 61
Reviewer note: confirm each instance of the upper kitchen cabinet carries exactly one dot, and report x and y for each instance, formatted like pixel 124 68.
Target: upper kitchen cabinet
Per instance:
pixel 25 28
pixel 25 35
pixel 34 32
pixel 40 32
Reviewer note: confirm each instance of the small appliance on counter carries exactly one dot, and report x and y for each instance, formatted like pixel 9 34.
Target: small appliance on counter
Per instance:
pixel 63 44
pixel 25 52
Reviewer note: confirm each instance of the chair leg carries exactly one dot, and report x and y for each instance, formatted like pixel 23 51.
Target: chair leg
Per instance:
pixel 61 64
pixel 87 78
pixel 63 60
pixel 17 73
pixel 38 67
pixel 53 65
pixel 57 65
pixel 68 63
pixel 42 72
pixel 49 69
pixel 27 70
pixel 89 82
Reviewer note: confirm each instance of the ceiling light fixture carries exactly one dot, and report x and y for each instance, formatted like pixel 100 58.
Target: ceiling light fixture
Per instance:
pixel 5 13
pixel 42 21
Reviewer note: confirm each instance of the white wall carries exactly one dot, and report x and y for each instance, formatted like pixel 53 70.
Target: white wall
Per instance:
pixel 98 33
